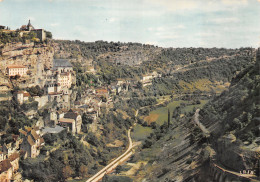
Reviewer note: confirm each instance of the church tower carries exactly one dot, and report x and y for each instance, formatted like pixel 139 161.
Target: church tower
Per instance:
pixel 29 26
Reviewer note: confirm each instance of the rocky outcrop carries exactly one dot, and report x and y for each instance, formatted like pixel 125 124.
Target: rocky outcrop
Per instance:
pixel 26 54
pixel 131 57
pixel 34 56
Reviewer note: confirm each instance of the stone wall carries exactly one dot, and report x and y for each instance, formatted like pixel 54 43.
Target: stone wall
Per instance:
pixel 42 101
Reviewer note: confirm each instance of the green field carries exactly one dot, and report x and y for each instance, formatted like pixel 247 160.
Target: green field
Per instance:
pixel 140 132
pixel 163 111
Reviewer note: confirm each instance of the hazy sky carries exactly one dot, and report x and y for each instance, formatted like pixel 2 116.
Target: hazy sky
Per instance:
pixel 166 23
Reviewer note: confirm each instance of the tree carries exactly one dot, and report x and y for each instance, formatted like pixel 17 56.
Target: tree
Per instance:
pixel 169 118
pixel 49 35
pixel 83 171
pixel 139 85
pixel 119 169
pixel 67 172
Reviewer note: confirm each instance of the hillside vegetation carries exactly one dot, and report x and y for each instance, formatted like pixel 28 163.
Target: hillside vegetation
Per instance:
pixel 183 153
pixel 115 60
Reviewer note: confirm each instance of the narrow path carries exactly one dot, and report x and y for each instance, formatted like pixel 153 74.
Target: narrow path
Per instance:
pixel 201 126
pixel 98 176
pixel 247 176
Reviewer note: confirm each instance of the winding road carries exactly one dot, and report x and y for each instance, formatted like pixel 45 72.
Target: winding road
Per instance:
pixel 201 126
pixel 98 176
pixel 247 176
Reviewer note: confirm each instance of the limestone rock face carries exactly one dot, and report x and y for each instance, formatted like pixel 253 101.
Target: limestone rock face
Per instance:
pixel 34 56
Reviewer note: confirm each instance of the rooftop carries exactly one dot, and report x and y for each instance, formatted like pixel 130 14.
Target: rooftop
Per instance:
pixel 30 140
pixel 26 94
pixel 23 132
pixel 71 114
pixel 57 129
pixel 61 63
pixel 15 66
pixel 14 156
pixel 66 120
pixel 5 165
pixel 54 93
pixel 101 90
pixel 35 135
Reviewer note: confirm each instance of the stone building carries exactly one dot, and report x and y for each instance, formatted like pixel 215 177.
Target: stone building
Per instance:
pixel 62 65
pixel 64 79
pixel 9 167
pixel 6 171
pixel 14 160
pixel 22 96
pixel 52 87
pixel 70 124
pixel 75 116
pixel 14 70
pixel 32 142
pixel 40 33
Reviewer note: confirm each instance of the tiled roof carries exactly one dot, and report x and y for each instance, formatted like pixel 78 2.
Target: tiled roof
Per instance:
pixel 71 115
pixel 101 91
pixel 63 110
pixel 14 156
pixel 26 94
pixel 35 135
pixel 41 140
pixel 54 93
pixel 5 165
pixel 23 132
pixel 28 128
pixel 16 66
pixel 30 140
pixel 66 120
pixel 23 27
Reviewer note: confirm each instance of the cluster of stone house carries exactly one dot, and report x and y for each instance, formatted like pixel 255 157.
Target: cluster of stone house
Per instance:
pixel 9 167
pixel 31 142
pixel 56 85
pixel 28 144
pixel 118 86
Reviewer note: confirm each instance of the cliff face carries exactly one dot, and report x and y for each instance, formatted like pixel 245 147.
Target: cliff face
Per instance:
pixel 26 54
pixel 34 56
pixel 131 57
pixel 131 54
